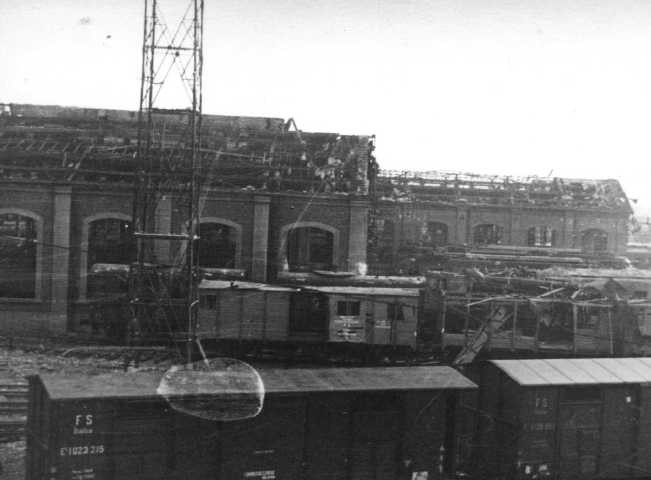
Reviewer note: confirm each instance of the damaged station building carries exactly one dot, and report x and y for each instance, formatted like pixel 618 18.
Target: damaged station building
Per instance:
pixel 275 202
pixel 415 212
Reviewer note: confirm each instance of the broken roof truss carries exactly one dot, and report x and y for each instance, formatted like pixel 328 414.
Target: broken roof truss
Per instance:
pixel 52 143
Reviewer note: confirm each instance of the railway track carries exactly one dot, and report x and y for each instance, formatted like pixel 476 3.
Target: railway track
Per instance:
pixel 13 411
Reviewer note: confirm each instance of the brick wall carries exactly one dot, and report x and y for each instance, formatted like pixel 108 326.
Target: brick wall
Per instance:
pixel 339 213
pixel 86 204
pixel 29 314
pixel 410 219
pixel 286 210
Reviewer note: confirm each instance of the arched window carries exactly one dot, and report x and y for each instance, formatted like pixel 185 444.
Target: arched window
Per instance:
pixel 487 234
pixel 310 248
pixel 437 234
pixel 594 240
pixel 542 236
pixel 217 245
pixel 18 248
pixel 110 241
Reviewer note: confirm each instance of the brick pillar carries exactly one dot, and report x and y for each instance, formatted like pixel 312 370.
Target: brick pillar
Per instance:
pixel 357 236
pixel 575 240
pixel 566 238
pixel 463 217
pixel 514 229
pixel 260 251
pixel 396 241
pixel 621 234
pixel 163 224
pixel 59 305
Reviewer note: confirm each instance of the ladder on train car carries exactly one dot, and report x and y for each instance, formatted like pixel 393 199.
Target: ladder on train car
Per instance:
pixel 492 323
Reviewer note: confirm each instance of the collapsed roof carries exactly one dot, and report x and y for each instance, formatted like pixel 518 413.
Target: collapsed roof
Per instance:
pixel 53 143
pixel 456 188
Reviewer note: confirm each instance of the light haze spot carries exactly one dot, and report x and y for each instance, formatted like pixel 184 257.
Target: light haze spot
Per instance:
pixel 219 389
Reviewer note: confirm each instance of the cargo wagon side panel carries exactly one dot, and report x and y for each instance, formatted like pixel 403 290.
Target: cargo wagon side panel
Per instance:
pixel 643 443
pixel 618 438
pixel 327 437
pixel 424 449
pixel 267 447
pixel 539 407
pixel 580 414
pixel 377 429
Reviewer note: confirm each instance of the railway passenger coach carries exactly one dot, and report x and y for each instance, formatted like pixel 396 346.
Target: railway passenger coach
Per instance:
pixel 336 423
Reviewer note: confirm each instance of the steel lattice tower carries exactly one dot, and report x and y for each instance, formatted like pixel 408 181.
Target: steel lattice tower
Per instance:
pixel 168 164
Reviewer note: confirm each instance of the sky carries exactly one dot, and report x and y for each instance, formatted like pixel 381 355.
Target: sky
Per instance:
pixel 511 87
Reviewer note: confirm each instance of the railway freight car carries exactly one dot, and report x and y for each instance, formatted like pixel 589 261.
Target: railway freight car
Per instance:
pixel 347 423
pixel 507 314
pixel 387 319
pixel 565 419
pixel 327 319
pixel 454 314
pixel 244 311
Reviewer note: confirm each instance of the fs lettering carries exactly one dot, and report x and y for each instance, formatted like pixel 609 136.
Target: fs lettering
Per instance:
pixel 83 420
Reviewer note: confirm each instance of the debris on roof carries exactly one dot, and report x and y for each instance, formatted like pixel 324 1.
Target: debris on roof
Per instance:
pixel 459 188
pixel 365 291
pixel 95 145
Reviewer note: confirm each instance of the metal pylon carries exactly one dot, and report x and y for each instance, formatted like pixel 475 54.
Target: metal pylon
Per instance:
pixel 163 294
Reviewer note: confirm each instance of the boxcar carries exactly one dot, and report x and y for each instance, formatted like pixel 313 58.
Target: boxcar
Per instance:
pixel 243 311
pixel 256 312
pixel 565 418
pixel 356 423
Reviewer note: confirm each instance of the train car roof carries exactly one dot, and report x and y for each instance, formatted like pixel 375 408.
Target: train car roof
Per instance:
pixel 364 379
pixel 336 290
pixel 576 371
pixel 237 284
pixel 617 274
pixel 275 381
pixel 362 291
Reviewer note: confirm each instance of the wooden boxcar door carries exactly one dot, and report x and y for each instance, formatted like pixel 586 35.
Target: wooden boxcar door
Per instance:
pixel 376 437
pixel 643 435
pixel 620 416
pixel 267 447
pixel 308 317
pixel 579 432
pixel 327 436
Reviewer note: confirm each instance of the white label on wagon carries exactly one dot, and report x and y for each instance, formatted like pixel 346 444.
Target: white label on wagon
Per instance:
pixel 81 450
pixel 261 475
